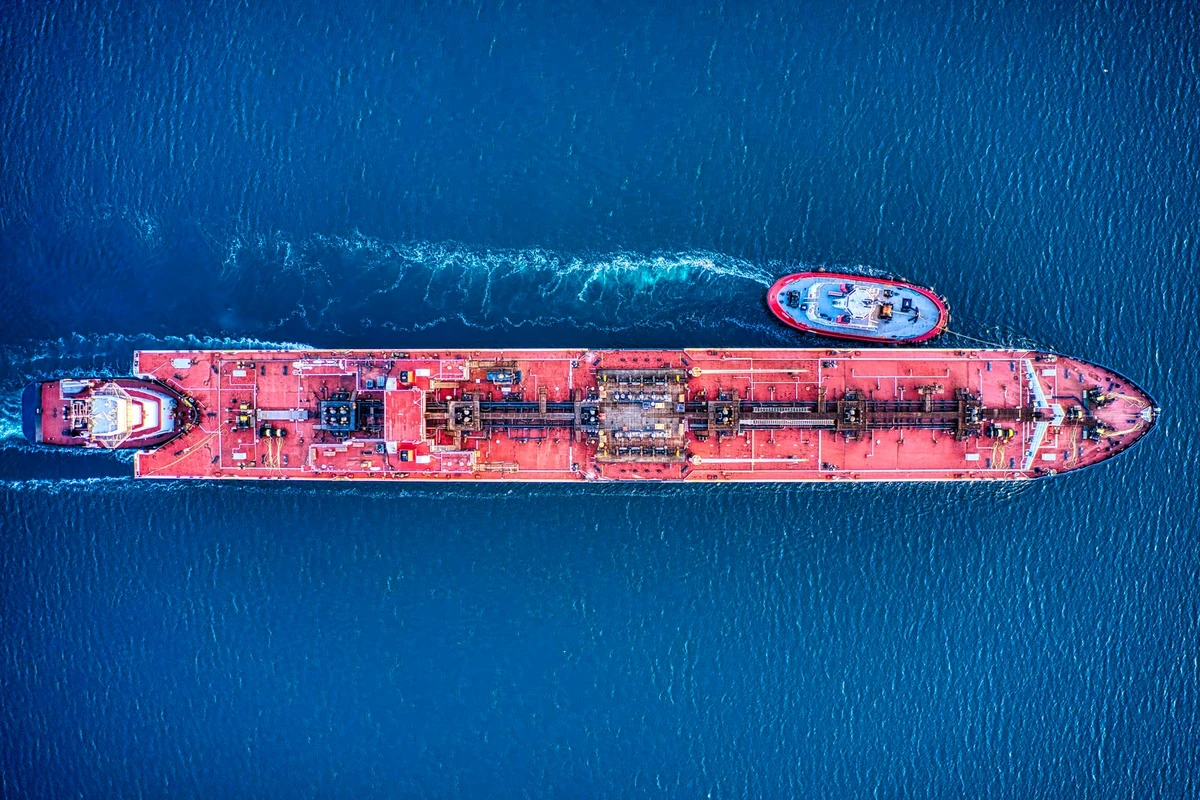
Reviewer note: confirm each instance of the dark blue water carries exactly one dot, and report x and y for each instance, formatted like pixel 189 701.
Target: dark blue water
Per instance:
pixel 599 174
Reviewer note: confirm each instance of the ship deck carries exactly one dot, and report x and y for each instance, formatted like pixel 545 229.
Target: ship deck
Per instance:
pixel 695 415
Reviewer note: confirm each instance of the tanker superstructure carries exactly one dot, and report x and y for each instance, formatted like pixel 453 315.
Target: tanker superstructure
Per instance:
pixel 637 415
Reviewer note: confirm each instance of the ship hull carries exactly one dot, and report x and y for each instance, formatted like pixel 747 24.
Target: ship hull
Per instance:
pixel 769 415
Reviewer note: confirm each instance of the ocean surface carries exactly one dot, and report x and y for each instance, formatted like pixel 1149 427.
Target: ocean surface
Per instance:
pixel 605 175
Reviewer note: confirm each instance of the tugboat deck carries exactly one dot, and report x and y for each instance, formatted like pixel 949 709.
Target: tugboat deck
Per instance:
pixel 858 307
pixel 649 415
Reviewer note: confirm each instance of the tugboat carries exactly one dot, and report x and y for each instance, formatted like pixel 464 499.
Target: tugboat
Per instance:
pixel 109 414
pixel 858 307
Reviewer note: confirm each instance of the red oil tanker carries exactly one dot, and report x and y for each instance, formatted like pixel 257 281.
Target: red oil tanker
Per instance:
pixel 599 415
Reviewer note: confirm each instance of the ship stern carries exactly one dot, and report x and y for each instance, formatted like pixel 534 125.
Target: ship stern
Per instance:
pixel 31 413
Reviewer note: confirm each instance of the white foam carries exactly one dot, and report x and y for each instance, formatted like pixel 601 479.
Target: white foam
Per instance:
pixel 353 284
pixel 10 419
pixel 407 257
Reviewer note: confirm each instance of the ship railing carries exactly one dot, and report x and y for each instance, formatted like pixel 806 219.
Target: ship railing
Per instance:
pixel 117 438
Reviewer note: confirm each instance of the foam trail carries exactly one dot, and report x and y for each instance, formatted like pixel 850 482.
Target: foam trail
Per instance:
pixel 358 283
pixel 10 419
pixel 56 485
pixel 638 269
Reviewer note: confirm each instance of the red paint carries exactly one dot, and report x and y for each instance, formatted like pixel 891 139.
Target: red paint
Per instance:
pixel 769 427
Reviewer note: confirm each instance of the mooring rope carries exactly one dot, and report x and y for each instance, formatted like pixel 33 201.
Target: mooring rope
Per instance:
pixel 999 345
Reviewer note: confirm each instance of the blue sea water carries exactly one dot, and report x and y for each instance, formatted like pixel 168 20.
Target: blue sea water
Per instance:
pixel 600 174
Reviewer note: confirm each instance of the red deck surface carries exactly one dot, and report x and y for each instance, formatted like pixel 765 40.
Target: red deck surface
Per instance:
pixel 704 415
